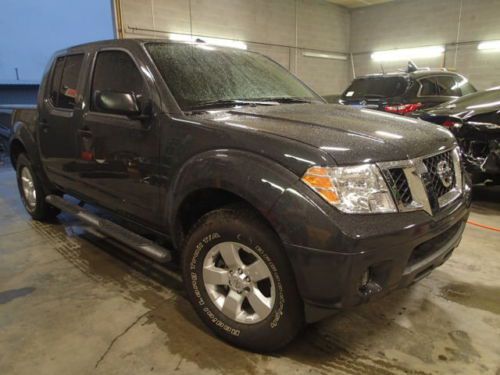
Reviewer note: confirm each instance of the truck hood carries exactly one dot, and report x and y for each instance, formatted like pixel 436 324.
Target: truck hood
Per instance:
pixel 349 135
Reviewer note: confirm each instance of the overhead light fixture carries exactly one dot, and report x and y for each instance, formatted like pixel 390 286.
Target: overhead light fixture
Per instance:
pixel 331 56
pixel 212 41
pixel 408 53
pixel 490 45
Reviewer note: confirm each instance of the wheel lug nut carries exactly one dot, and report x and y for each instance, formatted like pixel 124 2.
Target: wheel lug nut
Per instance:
pixel 247 279
pixel 240 271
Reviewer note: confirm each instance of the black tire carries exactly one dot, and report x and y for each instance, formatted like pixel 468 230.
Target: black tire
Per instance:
pixel 237 224
pixel 39 209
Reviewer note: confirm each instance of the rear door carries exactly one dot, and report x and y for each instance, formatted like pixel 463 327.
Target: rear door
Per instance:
pixel 59 113
pixel 118 155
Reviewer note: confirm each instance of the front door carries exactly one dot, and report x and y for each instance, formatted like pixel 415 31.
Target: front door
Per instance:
pixel 118 154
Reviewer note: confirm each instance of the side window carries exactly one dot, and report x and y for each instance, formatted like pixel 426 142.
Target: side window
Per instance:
pixel 56 80
pixel 429 87
pixel 116 71
pixel 447 86
pixel 63 88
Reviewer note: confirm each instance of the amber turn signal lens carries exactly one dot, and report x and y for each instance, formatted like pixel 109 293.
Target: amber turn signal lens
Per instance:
pixel 317 178
pixel 318 181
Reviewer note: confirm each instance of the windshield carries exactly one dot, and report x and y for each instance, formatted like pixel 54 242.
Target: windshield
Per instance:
pixel 198 75
pixel 376 87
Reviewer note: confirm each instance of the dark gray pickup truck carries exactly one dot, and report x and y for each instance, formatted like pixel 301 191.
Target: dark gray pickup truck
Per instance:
pixel 280 208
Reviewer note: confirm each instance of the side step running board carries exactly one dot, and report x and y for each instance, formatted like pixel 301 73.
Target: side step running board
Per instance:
pixel 115 231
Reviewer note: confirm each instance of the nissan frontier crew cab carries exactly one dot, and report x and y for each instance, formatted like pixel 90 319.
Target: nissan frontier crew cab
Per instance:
pixel 279 207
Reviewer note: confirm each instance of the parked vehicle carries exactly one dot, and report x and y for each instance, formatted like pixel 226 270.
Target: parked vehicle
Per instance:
pixel 281 208
pixel 405 92
pixel 475 121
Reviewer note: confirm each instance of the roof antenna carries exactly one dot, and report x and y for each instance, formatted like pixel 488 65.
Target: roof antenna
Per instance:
pixel 412 67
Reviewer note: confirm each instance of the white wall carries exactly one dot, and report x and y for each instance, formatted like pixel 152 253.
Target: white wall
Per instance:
pixel 267 26
pixel 407 23
pixel 274 25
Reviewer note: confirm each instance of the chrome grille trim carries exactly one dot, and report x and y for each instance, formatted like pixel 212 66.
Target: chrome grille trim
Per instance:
pixel 419 183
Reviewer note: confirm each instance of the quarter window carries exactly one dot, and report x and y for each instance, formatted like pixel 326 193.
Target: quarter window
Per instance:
pixel 64 85
pixel 116 71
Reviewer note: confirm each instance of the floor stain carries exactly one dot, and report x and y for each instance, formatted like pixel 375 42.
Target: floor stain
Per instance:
pixel 12 294
pixel 482 297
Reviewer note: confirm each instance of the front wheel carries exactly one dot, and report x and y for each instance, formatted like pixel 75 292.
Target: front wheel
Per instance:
pixel 240 281
pixel 32 192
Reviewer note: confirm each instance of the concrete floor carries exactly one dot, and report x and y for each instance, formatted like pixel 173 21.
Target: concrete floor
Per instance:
pixel 71 303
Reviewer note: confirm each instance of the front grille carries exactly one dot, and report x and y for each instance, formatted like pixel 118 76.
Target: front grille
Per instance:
pixel 437 186
pixel 399 185
pixel 428 183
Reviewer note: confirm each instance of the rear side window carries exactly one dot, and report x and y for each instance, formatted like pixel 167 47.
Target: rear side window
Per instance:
pixel 463 86
pixel 429 87
pixel 63 88
pixel 116 71
pixel 376 87
pixel 447 86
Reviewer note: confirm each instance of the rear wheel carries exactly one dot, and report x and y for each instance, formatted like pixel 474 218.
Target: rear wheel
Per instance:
pixel 240 281
pixel 32 192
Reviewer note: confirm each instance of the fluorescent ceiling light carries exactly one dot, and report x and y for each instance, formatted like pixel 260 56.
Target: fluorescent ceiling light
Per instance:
pixel 407 53
pixel 212 41
pixel 489 45
pixel 332 56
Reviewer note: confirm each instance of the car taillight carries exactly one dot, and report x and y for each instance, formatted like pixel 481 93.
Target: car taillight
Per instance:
pixel 450 124
pixel 402 109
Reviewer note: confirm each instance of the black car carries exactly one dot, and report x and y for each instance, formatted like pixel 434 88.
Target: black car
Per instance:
pixel 475 121
pixel 406 92
pixel 279 208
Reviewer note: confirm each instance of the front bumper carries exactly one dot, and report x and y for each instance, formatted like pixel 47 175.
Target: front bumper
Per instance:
pixel 395 249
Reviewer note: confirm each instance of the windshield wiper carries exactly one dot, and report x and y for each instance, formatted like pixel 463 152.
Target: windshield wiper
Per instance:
pixel 285 99
pixel 227 103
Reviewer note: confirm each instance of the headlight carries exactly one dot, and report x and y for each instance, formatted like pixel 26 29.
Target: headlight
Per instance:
pixel 355 189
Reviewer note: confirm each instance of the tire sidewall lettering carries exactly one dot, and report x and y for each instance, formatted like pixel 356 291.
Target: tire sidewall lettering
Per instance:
pixel 196 263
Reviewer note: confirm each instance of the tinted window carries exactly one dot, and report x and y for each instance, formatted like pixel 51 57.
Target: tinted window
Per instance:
pixel 116 71
pixel 63 89
pixel 200 74
pixel 377 87
pixel 429 87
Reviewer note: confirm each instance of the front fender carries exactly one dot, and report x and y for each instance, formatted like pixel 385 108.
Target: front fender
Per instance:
pixel 256 179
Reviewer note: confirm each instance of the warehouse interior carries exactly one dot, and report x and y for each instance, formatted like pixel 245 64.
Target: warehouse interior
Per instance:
pixel 285 30
pixel 73 301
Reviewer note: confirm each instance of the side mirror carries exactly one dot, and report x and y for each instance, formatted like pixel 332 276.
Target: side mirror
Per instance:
pixel 120 103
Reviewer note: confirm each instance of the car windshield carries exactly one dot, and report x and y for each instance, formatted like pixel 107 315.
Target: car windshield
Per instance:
pixel 201 76
pixel 375 87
